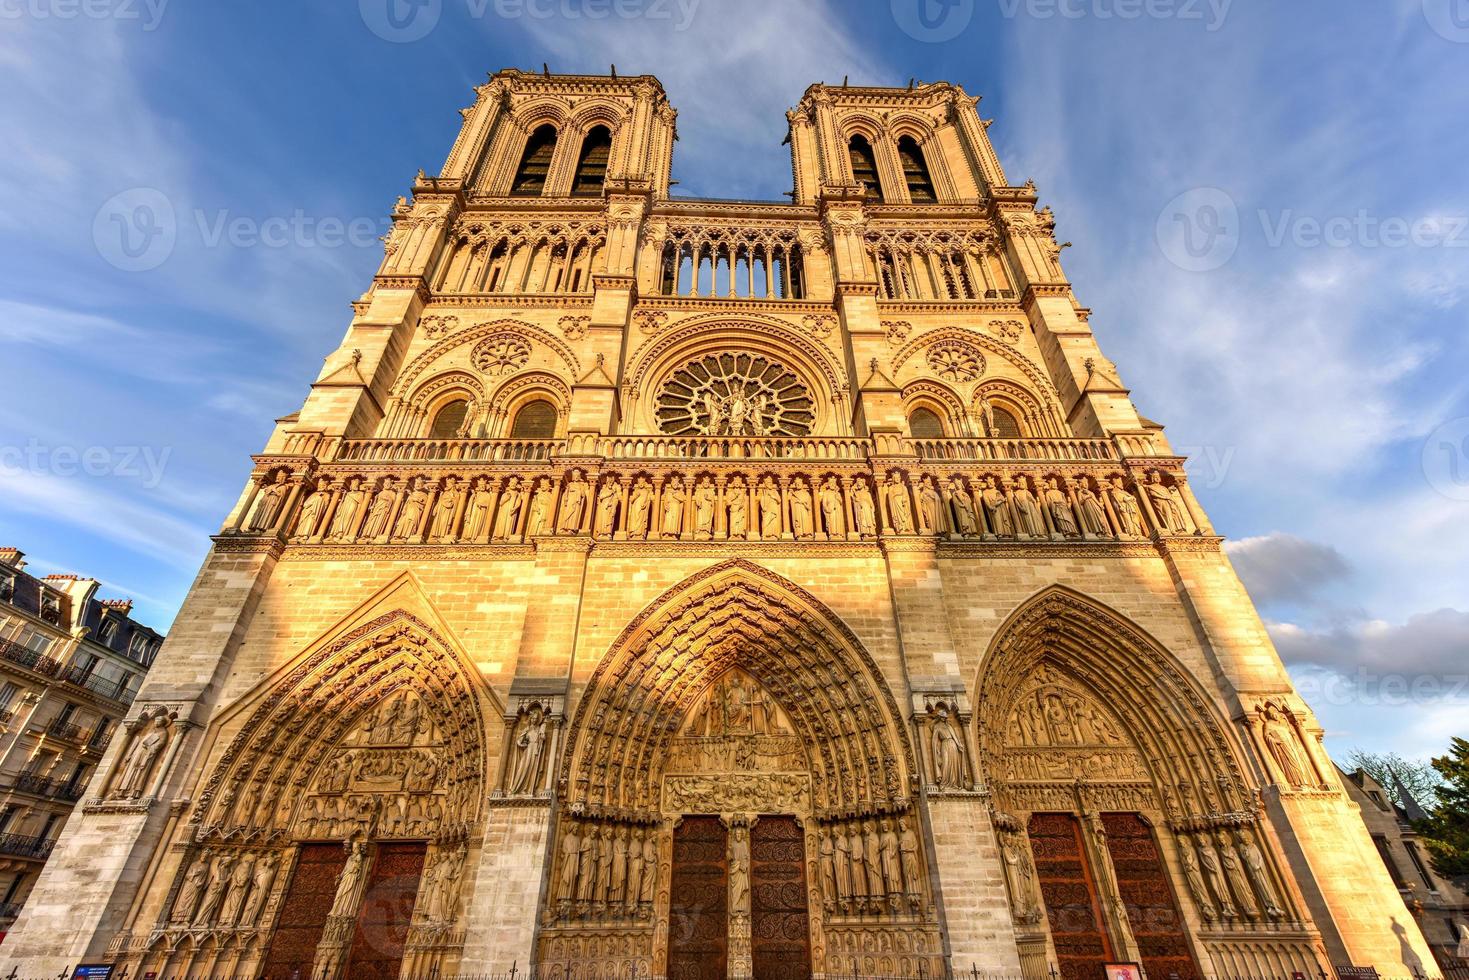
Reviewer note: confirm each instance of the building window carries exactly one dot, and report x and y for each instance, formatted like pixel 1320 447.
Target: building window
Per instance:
pixel 8 691
pixel 14 888
pixel 1006 427
pixel 107 632
pixel 591 165
pixel 924 423
pixel 535 163
pixel 449 422
pixel 915 171
pixel 1419 866
pixel 7 815
pixel 535 420
pixel 48 826
pixel 1387 859
pixel 7 587
pixel 864 166
pixel 36 642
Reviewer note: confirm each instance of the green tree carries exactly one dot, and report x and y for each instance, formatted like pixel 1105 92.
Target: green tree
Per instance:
pixel 1392 771
pixel 1446 831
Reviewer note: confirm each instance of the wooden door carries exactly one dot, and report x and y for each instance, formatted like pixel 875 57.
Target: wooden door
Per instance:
pixel 780 930
pixel 698 920
pixel 387 908
pixel 1148 896
pixel 1070 894
pixel 303 912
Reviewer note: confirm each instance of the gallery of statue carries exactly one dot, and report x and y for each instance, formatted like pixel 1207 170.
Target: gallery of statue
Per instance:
pixel 692 588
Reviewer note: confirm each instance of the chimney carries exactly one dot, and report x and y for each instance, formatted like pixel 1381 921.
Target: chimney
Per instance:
pixel 12 558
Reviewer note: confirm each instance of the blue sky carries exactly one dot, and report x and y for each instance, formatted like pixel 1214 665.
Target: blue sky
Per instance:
pixel 1311 361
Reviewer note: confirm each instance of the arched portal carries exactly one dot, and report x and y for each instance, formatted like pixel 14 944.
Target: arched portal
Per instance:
pixel 738 743
pixel 337 828
pixel 1130 830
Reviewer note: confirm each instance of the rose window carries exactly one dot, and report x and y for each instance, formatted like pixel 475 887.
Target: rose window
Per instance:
pixel 735 394
pixel 955 361
pixel 501 355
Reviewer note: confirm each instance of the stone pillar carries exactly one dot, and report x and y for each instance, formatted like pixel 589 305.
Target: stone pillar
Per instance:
pixel 969 885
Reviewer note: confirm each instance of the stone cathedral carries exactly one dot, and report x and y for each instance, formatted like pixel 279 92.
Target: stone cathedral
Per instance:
pixel 669 587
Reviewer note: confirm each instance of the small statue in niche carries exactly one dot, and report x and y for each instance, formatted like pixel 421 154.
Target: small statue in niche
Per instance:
pixel 737 502
pixel 948 755
pixel 573 504
pixel 609 499
pixel 639 506
pixel 525 777
pixel 864 509
pixel 149 742
pixel 268 504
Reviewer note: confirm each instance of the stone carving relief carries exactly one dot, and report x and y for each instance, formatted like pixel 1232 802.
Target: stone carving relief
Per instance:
pixel 138 766
pixel 1007 330
pixel 896 331
pixel 871 865
pixel 439 325
pixel 819 325
pixel 574 327
pixel 955 361
pixel 650 321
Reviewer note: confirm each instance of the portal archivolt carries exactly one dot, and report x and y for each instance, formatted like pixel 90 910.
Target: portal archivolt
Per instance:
pixel 360 767
pixel 738 696
pixel 1102 753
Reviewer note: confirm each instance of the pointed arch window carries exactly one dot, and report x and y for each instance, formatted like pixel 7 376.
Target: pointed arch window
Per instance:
pixel 864 166
pixel 535 420
pixel 915 171
pixel 449 420
pixel 1006 426
pixel 535 163
pixel 924 423
pixel 591 164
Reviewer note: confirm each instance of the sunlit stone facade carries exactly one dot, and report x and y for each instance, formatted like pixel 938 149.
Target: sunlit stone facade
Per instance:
pixel 695 588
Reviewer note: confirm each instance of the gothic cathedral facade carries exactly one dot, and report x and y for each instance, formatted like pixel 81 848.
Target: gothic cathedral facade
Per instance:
pixel 660 587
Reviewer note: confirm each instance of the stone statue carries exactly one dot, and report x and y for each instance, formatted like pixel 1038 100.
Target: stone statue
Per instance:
pixel 441 529
pixel 573 504
pixel 312 510
pixel 900 509
pixel 1093 514
pixel 1028 517
pixel 444 897
pixel 570 854
pixel 908 848
pixel 864 509
pixel 381 511
pixel 948 755
pixel 219 880
pixel 1209 860
pixel 604 866
pixel 1061 517
pixel 477 510
pixel 739 870
pixel 616 896
pixel 1255 867
pixel 842 859
pixel 639 503
pixel 609 499
pixel 674 497
pixel 928 507
pixel 892 862
pixel 412 513
pixel 268 504
pixel 965 520
pixel 829 498
pixel 650 868
pixel 737 503
pixel 828 869
pixel 801 510
pixel 1280 739
pixel 1195 881
pixel 188 897
pixel 768 498
pixel 528 746
pixel 872 859
pixel 997 509
pixel 1235 874
pixel 137 765
pixel 1166 504
pixel 1020 876
pixel 705 498
pixel 587 863
pixel 859 862
pixel 347 510
pixel 265 870
pixel 541 506
pixel 1125 504
pixel 508 518
pixel 234 899
pixel 351 881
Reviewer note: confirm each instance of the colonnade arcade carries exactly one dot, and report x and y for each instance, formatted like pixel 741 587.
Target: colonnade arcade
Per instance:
pixel 1128 827
pixel 736 798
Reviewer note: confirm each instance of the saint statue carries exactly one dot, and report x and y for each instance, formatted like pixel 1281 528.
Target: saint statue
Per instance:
pixel 528 746
pixel 639 503
pixel 609 499
pixel 137 765
pixel 441 529
pixel 508 518
pixel 948 756
pixel 768 497
pixel 477 510
pixel 312 510
pixel 705 497
pixel 829 497
pixel 573 504
pixel 737 502
pixel 350 881
pixel 268 504
pixel 674 497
